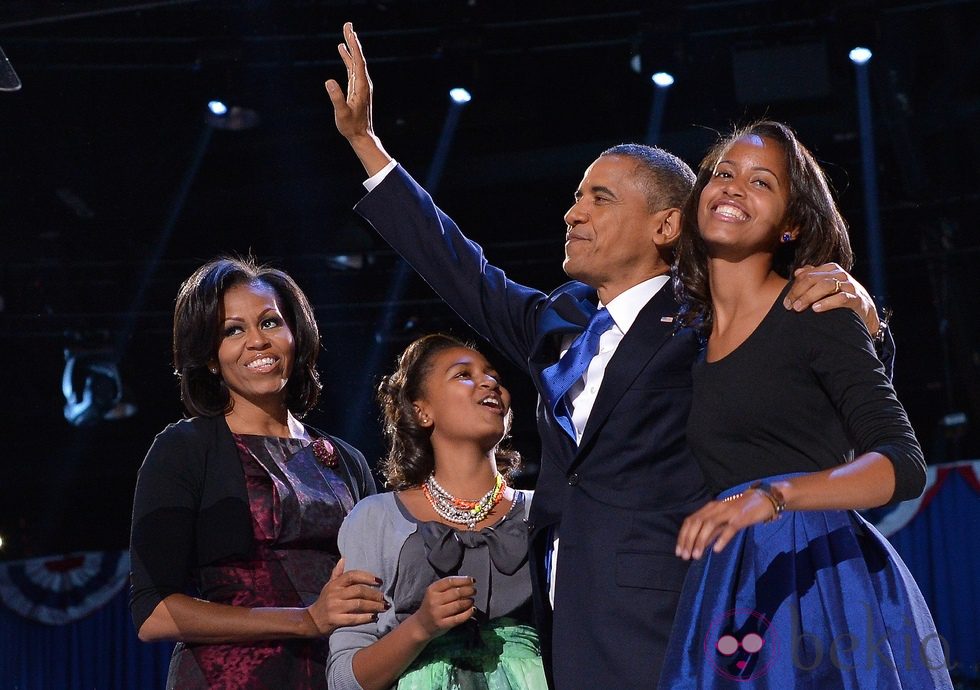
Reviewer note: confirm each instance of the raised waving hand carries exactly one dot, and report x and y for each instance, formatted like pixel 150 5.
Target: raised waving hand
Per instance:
pixel 352 110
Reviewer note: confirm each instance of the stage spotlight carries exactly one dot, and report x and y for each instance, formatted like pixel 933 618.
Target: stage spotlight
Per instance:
pixel 460 95
pixel 875 247
pixel 93 388
pixel 662 81
pixel 9 81
pixel 220 115
pixel 859 55
pixel 349 262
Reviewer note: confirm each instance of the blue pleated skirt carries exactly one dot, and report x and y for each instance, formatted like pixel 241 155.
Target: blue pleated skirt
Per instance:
pixel 816 599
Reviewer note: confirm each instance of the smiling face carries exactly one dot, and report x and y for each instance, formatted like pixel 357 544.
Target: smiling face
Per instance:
pixel 256 347
pixel 462 399
pixel 609 240
pixel 743 206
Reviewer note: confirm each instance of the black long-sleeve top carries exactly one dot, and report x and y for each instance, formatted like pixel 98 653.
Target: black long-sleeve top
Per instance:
pixel 804 392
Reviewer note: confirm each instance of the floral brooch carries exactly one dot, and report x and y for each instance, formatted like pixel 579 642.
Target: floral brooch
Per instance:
pixel 325 452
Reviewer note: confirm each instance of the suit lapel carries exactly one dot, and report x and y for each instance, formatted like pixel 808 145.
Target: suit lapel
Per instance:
pixel 644 339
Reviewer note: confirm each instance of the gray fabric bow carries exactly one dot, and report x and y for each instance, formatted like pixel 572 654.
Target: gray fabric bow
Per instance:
pixel 445 546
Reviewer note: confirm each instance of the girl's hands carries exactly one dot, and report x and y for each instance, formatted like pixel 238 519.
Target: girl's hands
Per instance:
pixel 447 603
pixel 721 520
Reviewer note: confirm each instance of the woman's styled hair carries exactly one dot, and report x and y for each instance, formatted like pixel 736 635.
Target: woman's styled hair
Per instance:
pixel 812 211
pixel 410 459
pixel 197 334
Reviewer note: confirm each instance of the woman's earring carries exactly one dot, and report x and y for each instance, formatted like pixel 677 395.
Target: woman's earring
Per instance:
pixel 214 370
pixel 787 237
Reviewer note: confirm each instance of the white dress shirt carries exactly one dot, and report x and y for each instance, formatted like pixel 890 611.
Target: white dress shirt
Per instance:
pixel 624 308
pixel 375 179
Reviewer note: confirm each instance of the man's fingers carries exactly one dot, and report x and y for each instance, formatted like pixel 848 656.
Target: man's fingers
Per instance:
pixel 346 57
pixel 335 94
pixel 807 278
pixel 841 299
pixel 353 42
pixel 821 289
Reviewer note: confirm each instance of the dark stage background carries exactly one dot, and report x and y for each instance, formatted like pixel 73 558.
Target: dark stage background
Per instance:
pixel 113 187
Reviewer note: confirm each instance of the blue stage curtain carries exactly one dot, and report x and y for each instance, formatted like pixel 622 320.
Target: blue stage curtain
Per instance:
pixel 941 547
pixel 100 651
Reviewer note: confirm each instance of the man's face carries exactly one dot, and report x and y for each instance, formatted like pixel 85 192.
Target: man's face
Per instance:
pixel 609 242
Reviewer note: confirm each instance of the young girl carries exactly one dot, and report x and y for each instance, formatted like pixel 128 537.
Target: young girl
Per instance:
pixel 792 413
pixel 453 569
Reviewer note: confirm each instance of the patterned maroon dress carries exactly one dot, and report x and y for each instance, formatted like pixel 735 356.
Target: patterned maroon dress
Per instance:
pixel 297 503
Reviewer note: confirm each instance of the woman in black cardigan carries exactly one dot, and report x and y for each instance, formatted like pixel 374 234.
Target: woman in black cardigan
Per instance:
pixel 241 503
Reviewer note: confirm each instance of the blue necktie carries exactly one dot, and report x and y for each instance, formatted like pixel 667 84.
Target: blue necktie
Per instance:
pixel 561 376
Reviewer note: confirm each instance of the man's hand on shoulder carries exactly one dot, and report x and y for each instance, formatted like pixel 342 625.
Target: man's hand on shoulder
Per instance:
pixel 829 286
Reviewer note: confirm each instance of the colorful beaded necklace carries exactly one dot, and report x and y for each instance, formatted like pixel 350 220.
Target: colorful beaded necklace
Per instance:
pixel 459 510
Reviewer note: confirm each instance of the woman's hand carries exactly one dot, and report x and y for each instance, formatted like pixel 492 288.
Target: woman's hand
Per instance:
pixel 721 520
pixel 350 598
pixel 447 603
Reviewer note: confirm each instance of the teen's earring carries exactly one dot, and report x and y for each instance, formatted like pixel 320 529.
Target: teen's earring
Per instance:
pixel 786 238
pixel 214 370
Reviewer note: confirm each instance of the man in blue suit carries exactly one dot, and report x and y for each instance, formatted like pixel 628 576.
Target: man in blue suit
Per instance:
pixel 616 477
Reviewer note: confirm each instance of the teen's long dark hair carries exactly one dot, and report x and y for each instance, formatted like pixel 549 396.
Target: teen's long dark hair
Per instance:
pixel 822 232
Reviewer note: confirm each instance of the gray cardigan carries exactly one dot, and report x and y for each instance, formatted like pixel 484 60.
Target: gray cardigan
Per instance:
pixel 371 539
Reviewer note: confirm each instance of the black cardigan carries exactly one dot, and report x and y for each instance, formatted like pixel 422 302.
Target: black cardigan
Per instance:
pixel 191 507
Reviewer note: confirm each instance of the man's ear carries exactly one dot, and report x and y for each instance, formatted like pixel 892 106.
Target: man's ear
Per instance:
pixel 668 230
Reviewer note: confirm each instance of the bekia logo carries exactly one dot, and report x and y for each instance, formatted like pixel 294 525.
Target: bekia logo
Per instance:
pixel 742 644
pixel 740 650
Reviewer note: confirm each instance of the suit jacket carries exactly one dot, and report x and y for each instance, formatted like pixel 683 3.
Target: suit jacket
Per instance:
pixel 622 493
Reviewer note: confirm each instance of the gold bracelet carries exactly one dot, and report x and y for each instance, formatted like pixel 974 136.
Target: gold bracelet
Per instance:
pixel 774 495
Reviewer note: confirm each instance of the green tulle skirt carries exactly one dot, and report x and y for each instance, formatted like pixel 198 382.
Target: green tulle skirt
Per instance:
pixel 500 655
